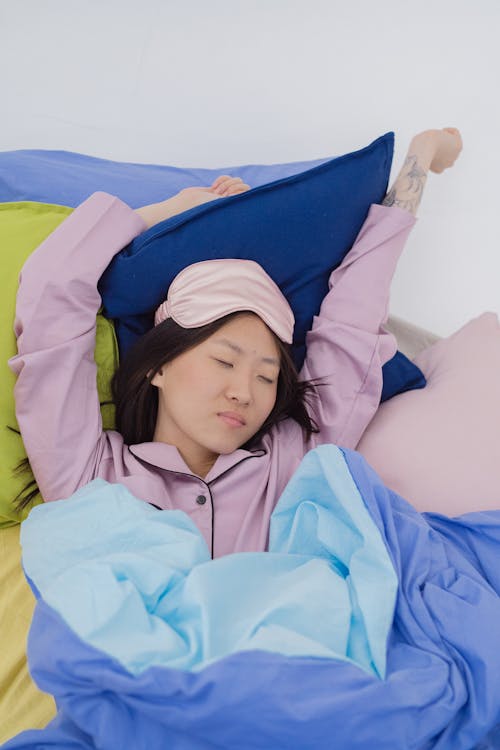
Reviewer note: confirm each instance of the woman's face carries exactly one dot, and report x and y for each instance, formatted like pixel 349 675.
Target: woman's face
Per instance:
pixel 234 372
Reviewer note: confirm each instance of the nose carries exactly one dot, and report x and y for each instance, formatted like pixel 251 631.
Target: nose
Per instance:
pixel 239 387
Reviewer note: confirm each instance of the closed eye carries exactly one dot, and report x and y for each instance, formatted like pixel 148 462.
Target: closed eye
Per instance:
pixel 229 364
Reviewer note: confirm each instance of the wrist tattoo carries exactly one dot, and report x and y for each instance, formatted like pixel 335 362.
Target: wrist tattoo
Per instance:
pixel 409 186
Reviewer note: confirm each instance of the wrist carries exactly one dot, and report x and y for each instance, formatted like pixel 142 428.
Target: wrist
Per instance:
pixel 424 146
pixel 157 212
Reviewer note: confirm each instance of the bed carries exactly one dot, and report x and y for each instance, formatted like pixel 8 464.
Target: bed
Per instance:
pixel 22 705
pixel 416 445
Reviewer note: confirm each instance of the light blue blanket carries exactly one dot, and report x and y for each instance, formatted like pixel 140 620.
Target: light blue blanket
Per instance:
pixel 139 583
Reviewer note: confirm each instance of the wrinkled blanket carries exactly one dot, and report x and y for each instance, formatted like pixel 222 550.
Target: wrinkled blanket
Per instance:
pixel 366 625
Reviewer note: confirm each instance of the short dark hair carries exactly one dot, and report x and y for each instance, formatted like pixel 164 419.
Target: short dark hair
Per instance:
pixel 136 399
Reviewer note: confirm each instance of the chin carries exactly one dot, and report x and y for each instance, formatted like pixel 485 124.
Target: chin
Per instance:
pixel 224 444
pixel 225 449
pixel 227 446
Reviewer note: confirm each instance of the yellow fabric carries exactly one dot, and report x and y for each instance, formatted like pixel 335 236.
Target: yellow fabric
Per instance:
pixel 24 226
pixel 22 705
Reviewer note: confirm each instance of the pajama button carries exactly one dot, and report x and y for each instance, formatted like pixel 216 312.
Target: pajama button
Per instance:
pixel 201 499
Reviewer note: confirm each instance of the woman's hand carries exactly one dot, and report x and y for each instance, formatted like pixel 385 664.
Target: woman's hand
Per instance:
pixel 448 147
pixel 223 187
pixel 437 149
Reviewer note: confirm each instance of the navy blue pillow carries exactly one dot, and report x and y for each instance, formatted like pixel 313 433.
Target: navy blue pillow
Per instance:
pixel 400 375
pixel 298 228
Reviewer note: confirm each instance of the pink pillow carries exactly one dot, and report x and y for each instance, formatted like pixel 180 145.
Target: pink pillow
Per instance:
pixel 439 447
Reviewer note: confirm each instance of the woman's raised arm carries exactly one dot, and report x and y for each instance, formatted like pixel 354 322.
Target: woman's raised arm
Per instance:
pixel 433 149
pixel 347 344
pixel 57 404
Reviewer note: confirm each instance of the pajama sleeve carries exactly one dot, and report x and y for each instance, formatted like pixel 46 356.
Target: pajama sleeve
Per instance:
pixel 57 403
pixel 347 344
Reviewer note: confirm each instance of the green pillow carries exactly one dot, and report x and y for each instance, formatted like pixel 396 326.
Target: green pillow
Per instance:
pixel 23 226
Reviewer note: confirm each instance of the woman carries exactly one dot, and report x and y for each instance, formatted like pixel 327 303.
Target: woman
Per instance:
pixel 211 416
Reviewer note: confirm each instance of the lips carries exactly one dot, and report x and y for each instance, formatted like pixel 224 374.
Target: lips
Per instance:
pixel 232 419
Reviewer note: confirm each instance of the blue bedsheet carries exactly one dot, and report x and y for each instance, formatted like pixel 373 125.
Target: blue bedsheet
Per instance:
pixel 366 625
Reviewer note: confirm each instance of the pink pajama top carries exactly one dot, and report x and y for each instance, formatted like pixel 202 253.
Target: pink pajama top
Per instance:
pixel 58 406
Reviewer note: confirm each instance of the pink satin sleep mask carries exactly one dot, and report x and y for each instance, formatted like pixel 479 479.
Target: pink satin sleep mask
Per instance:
pixel 208 290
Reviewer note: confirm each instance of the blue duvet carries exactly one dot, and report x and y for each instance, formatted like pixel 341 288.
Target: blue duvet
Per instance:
pixel 366 625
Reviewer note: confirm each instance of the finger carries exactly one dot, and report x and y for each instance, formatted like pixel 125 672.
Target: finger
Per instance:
pixel 225 182
pixel 455 132
pixel 238 189
pixel 221 179
pixel 226 188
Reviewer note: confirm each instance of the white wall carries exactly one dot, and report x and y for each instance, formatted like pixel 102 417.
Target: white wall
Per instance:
pixel 220 82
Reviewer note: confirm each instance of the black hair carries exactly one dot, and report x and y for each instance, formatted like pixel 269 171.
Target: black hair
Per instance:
pixel 136 399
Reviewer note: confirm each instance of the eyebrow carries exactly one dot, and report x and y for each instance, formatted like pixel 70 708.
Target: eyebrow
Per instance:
pixel 239 350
